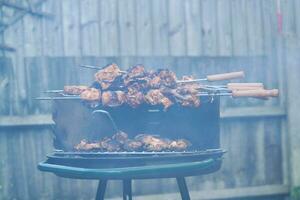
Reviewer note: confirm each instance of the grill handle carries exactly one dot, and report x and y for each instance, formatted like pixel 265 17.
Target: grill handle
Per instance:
pixel 107 114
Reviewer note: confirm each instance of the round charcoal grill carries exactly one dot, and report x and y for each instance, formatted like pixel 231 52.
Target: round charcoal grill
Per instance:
pixel 199 126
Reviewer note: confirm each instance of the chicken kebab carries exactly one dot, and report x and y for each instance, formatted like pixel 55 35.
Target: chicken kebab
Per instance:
pixel 142 142
pixel 112 87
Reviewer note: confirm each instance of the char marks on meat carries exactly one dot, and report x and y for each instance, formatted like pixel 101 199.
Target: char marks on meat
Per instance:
pixel 74 89
pixel 107 75
pixel 91 94
pixel 113 98
pixel 135 74
pixel 156 97
pixel 134 97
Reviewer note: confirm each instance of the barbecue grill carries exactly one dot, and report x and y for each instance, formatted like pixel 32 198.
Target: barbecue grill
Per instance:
pixel 199 125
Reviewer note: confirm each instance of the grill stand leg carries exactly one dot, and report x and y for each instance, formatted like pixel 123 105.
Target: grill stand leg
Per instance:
pixel 127 190
pixel 184 191
pixel 101 190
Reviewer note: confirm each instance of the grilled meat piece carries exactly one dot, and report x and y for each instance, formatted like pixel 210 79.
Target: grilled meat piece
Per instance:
pixel 120 137
pixel 107 75
pixel 141 142
pixel 162 78
pixel 166 102
pixel 113 98
pixel 155 82
pixel 156 97
pixel 190 88
pixel 168 78
pixel 133 145
pixel 107 144
pixel 86 146
pixel 91 94
pixel 135 73
pixel 152 143
pixel 190 101
pixel 179 145
pixel 134 97
pixel 74 89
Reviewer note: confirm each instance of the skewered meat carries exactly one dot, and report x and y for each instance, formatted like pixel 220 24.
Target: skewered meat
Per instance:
pixel 107 144
pixel 136 87
pixel 168 78
pixel 74 89
pixel 86 146
pixel 134 97
pixel 91 94
pixel 141 142
pixel 191 88
pixel 191 101
pixel 179 145
pixel 156 97
pixel 107 75
pixel 113 98
pixel 155 81
pixel 135 73
pixel 152 143
pixel 133 145
pixel 120 137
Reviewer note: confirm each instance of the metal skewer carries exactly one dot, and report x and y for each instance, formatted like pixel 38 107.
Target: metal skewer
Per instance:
pixel 53 91
pixel 261 93
pixel 98 68
pixel 59 98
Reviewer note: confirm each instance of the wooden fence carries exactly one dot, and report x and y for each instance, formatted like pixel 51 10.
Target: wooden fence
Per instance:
pixel 188 36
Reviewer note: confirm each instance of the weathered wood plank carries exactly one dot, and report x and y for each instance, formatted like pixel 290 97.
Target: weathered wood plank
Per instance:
pixel 71 28
pixel 272 147
pixel 193 27
pixel 144 27
pixel 160 27
pixel 297 17
pixel 109 30
pixel 6 77
pixel 177 32
pixel 53 44
pixel 254 27
pixel 31 120
pixel 293 81
pixel 209 27
pixel 89 27
pixel 127 27
pixel 224 28
pixel 252 112
pixel 288 25
pixel 239 27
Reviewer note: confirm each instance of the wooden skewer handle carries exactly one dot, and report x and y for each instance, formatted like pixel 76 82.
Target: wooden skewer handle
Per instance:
pixel 245 86
pixel 255 93
pixel 226 76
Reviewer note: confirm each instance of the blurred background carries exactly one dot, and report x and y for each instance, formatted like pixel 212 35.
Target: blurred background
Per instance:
pixel 44 41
